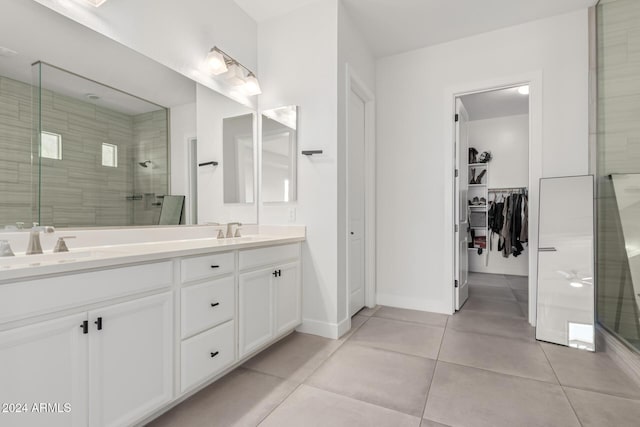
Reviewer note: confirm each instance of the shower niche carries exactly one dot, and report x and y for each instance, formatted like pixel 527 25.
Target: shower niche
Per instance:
pixel 100 155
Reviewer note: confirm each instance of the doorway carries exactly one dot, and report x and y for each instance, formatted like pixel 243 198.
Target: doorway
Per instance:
pixel 491 202
pixel 360 195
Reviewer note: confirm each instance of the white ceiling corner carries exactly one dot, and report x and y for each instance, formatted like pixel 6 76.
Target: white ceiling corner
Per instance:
pixel 262 10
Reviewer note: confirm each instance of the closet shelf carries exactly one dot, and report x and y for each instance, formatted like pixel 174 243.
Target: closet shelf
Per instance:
pixel 476 165
pixel 477 185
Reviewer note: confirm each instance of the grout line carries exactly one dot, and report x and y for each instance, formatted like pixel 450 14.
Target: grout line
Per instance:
pixel 433 373
pixel 279 404
pixel 561 387
pixel 416 323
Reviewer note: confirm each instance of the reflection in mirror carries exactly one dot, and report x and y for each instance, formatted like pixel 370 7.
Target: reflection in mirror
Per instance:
pixel 74 152
pixel 226 152
pixel 103 153
pixel 279 145
pixel 238 165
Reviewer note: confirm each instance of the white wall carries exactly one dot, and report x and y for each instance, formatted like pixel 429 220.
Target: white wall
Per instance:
pixel 412 141
pixel 507 138
pixel 177 34
pixel 182 127
pixel 297 57
pixel 354 53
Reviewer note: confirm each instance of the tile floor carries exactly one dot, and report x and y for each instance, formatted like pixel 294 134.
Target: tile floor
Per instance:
pixel 480 367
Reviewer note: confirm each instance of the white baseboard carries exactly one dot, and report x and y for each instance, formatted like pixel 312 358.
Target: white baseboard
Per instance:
pixel 627 359
pixel 412 303
pixel 324 329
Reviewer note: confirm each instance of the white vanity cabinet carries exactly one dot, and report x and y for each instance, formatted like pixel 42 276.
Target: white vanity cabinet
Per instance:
pixel 207 311
pixel 45 363
pixel 269 297
pixel 108 366
pixel 130 360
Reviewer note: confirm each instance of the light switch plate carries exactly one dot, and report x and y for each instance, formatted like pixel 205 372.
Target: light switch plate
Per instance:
pixel 292 214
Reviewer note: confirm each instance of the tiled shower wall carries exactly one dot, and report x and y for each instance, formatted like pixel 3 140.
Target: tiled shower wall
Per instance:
pixel 77 190
pixel 15 152
pixel 618 151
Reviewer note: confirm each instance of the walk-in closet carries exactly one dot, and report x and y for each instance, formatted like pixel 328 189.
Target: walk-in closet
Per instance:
pixel 492 193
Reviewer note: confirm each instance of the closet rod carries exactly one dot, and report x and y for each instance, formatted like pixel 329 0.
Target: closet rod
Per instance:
pixel 497 190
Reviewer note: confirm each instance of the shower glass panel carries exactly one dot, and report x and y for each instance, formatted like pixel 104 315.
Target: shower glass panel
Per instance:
pixel 618 169
pixel 100 154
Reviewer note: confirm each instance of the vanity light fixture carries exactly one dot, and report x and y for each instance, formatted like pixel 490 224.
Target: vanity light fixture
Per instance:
pixel 216 62
pixel 222 64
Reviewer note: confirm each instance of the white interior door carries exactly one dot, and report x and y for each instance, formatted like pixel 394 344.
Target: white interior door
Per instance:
pixel 461 200
pixel 566 300
pixel 355 202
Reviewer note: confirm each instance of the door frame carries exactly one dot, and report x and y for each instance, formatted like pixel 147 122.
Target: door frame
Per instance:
pixel 535 81
pixel 356 84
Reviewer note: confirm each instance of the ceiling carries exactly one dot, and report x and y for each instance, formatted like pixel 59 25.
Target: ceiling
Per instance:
pixel 496 103
pixel 395 26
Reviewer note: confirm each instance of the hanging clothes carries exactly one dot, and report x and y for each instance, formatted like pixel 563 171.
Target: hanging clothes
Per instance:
pixel 509 220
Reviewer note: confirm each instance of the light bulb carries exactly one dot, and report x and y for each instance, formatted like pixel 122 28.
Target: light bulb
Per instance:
pixel 251 85
pixel 523 90
pixel 216 62
pixel 234 76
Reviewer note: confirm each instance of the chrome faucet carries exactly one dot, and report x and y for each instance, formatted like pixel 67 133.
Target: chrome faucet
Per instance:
pixel 230 228
pixel 34 247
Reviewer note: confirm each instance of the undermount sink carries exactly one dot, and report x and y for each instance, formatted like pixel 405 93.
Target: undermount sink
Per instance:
pixel 22 260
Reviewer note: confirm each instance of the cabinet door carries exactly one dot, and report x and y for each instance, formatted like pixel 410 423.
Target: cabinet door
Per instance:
pixel 130 360
pixel 45 363
pixel 287 297
pixel 255 309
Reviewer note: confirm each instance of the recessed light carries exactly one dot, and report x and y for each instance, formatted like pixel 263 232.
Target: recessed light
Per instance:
pixel 523 90
pixel 92 97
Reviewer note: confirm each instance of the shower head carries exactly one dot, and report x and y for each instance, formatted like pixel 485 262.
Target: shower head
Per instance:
pixel 145 164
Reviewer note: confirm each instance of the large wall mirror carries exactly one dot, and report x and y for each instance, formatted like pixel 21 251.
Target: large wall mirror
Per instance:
pixel 279 160
pixel 94 134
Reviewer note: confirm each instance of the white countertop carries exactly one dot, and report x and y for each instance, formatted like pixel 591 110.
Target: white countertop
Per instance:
pixel 23 266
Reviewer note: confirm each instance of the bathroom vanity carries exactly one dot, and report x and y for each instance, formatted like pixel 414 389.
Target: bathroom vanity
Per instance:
pixel 122 332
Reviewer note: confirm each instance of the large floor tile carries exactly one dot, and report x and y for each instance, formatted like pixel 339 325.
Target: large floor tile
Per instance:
pixel 242 398
pixel 393 380
pixel 462 396
pixel 311 407
pixel 469 321
pixel 295 357
pixel 404 337
pixel 488 279
pixel 597 410
pixel 424 317
pixel 504 355
pixel 518 282
pixel 429 423
pixel 521 295
pixel 494 307
pixel 590 371
pixel 492 292
pixel 368 311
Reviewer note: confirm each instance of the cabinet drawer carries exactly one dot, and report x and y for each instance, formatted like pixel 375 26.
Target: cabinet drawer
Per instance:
pixel 206 266
pixel 207 304
pixel 34 297
pixel 251 258
pixel 207 354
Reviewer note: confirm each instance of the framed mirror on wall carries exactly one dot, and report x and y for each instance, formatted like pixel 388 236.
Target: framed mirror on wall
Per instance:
pixel 279 154
pixel 108 143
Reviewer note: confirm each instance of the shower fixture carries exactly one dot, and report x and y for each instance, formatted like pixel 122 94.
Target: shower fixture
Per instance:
pixel 145 164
